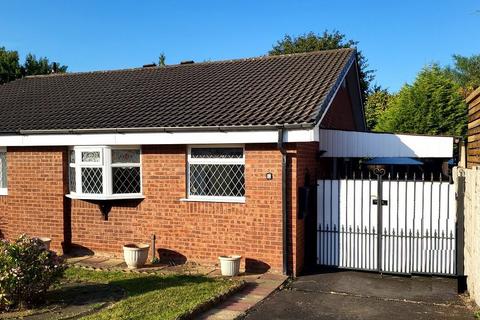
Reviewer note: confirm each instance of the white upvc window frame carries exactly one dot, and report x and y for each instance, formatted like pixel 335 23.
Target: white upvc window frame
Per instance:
pixel 4 189
pixel 107 178
pixel 191 160
pixel 125 164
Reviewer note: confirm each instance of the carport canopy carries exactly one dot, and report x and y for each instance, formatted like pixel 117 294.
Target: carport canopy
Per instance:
pixel 356 144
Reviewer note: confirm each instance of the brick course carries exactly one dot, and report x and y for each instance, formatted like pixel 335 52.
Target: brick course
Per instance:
pixel 199 231
pixel 340 115
pixel 307 165
pixel 34 204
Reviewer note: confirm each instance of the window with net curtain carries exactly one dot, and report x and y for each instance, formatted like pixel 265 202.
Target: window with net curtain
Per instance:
pixel 216 173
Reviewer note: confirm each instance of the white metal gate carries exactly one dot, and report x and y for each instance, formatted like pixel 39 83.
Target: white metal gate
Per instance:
pixel 412 230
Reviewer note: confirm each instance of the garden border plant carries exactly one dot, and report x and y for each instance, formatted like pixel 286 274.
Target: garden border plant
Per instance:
pixel 27 270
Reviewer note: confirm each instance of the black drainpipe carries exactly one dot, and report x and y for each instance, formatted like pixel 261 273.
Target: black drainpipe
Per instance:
pixel 282 149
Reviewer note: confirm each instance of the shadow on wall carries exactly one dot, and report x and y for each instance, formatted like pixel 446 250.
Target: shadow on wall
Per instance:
pixel 104 208
pixel 77 250
pixel 256 266
pixel 171 257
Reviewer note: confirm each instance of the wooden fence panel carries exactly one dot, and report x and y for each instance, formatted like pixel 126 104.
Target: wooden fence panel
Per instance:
pixel 473 148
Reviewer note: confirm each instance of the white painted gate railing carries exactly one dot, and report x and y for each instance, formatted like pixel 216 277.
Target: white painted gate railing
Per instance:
pixel 417 225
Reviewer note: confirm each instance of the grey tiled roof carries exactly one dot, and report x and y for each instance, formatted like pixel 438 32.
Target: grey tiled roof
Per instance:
pixel 278 90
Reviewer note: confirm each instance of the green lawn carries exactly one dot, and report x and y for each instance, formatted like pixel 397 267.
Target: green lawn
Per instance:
pixel 153 296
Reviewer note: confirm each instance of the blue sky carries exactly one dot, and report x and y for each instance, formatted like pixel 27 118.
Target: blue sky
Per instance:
pixel 397 37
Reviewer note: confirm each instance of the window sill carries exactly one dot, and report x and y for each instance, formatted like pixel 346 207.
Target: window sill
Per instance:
pixel 102 197
pixel 214 199
pixel 3 192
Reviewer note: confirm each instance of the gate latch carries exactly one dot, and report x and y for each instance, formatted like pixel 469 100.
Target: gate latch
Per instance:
pixel 384 202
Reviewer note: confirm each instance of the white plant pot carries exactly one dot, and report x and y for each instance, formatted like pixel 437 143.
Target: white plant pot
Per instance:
pixel 46 242
pixel 135 255
pixel 230 265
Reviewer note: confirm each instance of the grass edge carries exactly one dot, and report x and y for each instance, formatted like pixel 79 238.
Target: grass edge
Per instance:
pixel 212 302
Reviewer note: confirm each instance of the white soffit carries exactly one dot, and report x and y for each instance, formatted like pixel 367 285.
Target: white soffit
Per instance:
pixel 353 144
pixel 152 138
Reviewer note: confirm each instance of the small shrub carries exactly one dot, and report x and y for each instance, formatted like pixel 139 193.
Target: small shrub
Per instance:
pixel 27 270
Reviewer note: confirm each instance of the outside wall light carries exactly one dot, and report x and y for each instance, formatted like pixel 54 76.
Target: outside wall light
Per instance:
pixel 269 176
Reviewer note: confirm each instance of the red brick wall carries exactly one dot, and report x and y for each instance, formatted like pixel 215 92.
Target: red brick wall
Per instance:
pixel 306 165
pixel 340 115
pixel 34 204
pixel 198 231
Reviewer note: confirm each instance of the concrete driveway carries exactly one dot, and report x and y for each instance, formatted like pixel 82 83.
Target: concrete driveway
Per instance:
pixel 358 295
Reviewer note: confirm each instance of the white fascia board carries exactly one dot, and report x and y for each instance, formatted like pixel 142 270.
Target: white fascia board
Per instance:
pixel 356 144
pixel 153 138
pixel 307 135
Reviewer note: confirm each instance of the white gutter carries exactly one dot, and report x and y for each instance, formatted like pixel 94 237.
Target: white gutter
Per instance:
pixel 152 138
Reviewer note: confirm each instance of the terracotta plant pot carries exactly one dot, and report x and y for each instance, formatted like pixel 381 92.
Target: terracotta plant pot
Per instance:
pixel 46 242
pixel 230 265
pixel 135 255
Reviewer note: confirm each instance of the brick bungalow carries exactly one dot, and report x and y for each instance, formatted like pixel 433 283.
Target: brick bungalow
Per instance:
pixel 213 158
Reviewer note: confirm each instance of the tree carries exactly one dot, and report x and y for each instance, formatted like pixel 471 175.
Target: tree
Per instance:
pixel 466 72
pixel 326 41
pixel 9 65
pixel 375 106
pixel 11 69
pixel 432 105
pixel 42 65
pixel 161 60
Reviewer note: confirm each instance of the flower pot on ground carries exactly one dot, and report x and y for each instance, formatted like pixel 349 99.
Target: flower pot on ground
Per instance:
pixel 135 255
pixel 46 242
pixel 230 265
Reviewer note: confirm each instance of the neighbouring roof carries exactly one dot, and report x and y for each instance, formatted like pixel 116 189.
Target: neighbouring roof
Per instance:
pixel 279 90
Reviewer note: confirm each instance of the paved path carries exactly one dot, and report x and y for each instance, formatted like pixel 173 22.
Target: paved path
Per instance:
pixel 258 287
pixel 356 295
pixel 116 264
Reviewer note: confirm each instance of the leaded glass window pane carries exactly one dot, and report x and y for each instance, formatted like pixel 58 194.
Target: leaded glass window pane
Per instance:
pixel 91 156
pixel 217 153
pixel 92 180
pixel 3 169
pixel 221 180
pixel 126 180
pixel 125 156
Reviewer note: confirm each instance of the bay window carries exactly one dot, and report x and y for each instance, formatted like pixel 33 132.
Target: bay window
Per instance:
pixel 105 172
pixel 216 173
